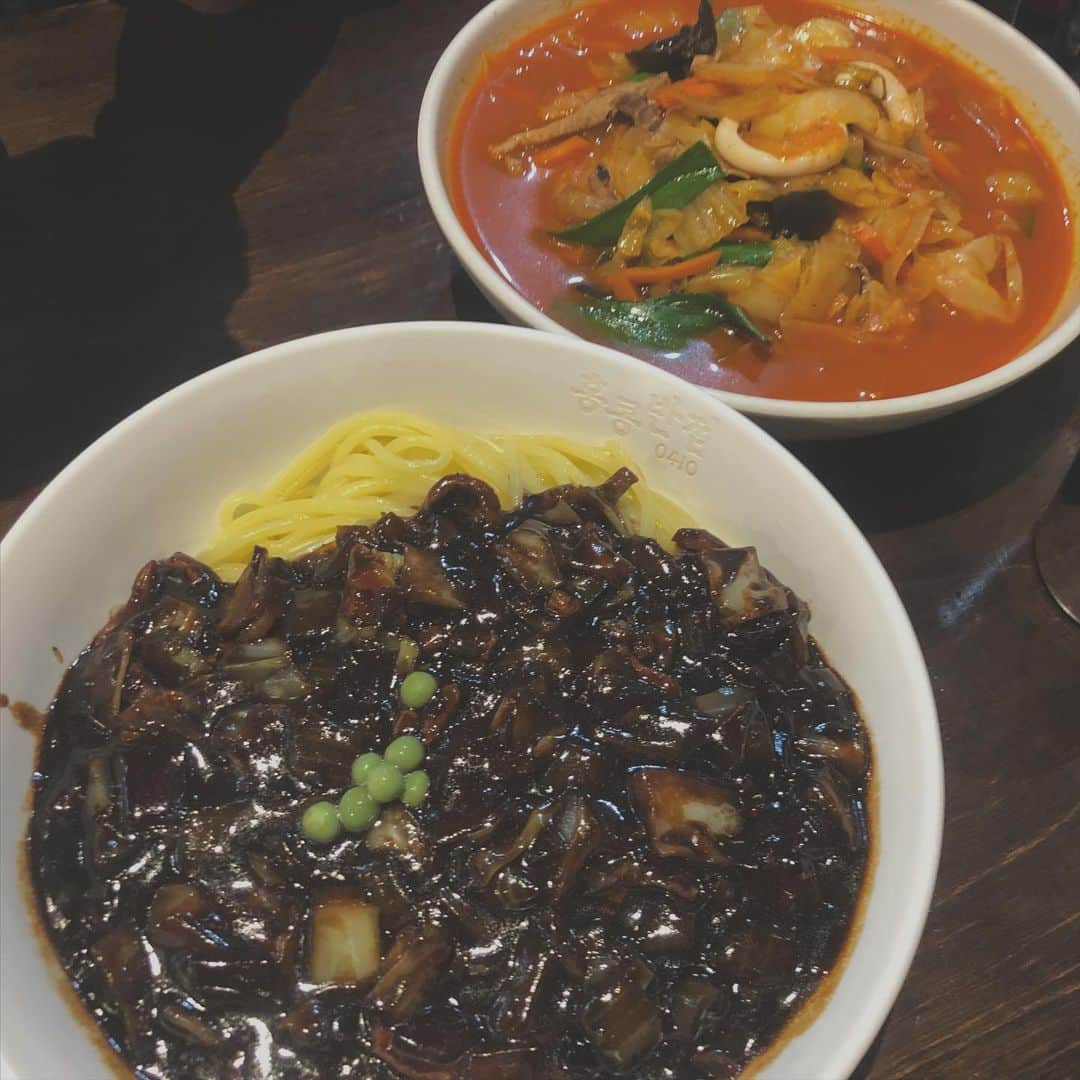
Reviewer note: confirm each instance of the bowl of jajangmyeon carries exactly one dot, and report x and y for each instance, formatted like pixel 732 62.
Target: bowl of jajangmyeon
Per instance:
pixel 461 701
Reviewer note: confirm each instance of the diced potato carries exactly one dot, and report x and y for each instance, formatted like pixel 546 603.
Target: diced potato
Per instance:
pixel 344 935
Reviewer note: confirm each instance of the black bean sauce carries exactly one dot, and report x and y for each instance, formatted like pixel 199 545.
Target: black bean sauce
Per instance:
pixel 641 850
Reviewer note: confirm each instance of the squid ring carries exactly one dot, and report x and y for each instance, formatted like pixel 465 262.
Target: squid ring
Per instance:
pixel 738 153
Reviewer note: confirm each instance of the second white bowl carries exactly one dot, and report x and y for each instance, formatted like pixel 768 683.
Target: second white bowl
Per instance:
pixel 1042 91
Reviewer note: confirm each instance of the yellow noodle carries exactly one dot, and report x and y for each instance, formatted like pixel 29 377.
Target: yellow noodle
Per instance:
pixel 380 462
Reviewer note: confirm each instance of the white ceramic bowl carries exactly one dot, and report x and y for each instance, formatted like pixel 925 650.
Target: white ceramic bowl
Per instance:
pixel 1046 96
pixel 151 486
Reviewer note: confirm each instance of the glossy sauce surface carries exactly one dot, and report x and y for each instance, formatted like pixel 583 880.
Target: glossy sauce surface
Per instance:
pixel 508 216
pixel 642 848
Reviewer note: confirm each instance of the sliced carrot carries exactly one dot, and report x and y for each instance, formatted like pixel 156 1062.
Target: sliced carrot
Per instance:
pixel 943 164
pixel 838 54
pixel 620 285
pixel 653 275
pixel 750 233
pixel 871 240
pixel 573 147
pixel 667 97
pixel 696 87
pixel 673 96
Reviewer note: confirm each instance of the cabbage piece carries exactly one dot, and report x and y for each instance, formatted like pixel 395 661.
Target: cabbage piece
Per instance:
pixel 1015 187
pixel 821 32
pixel 827 280
pixel 716 212
pixel 877 311
pixel 962 276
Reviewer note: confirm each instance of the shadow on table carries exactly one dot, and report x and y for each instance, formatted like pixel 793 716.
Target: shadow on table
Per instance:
pixel 122 253
pixel 906 477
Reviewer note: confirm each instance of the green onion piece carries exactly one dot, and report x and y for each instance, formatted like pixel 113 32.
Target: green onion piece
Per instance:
pixel 743 254
pixel 668 322
pixel 678 192
pixel 640 76
pixel 604 229
pixel 1026 220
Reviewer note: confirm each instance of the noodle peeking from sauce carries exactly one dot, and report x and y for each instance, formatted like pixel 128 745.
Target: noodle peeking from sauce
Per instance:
pixel 374 463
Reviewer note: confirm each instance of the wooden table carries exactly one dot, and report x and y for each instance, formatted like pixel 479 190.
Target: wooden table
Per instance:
pixel 250 186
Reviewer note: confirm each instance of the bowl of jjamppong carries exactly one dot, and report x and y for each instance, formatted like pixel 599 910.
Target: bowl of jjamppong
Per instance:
pixel 824 215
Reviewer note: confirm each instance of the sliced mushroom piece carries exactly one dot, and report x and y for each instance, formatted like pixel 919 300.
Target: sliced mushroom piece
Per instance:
pixel 579 833
pixel 371 596
pixel 465 499
pixel 528 557
pixel 416 959
pixel 622 1023
pixel 182 917
pixel 684 815
pixel 124 960
pixel 692 999
pixel 489 861
pixel 100 675
pixel 697 540
pixel 105 814
pixel 312 616
pixel 848 751
pixel 741 587
pixel 398 832
pixel 519 1063
pixel 651 733
pixel 438 711
pixel 593 555
pixel 190 1021
pixel 410 1060
pixel 525 714
pixel 658 925
pixel 830 793
pixel 425 582
pixel 256 601
pixel 523 996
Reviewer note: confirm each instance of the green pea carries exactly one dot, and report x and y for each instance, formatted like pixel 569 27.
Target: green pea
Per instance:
pixel 385 782
pixel 357 809
pixel 320 822
pixel 416 788
pixel 363 765
pixel 406 752
pixel 417 689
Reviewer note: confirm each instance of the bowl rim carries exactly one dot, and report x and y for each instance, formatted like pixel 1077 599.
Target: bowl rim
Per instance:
pixel 900 948
pixel 452 66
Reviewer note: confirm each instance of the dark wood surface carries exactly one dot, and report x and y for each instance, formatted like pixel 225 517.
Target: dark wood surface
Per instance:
pixel 182 191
